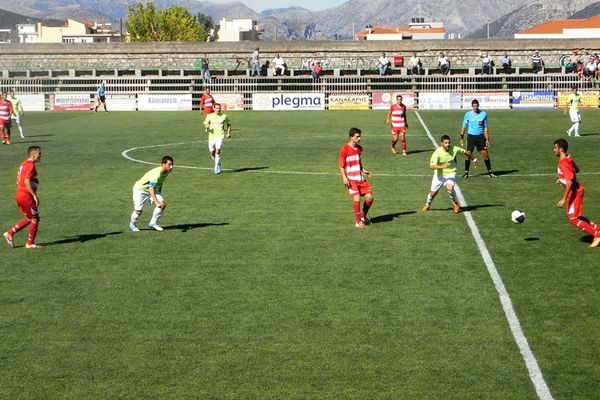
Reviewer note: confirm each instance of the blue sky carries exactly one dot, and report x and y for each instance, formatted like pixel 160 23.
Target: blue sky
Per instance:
pixel 315 5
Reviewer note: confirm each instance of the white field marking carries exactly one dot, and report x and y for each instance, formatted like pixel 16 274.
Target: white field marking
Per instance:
pixel 535 373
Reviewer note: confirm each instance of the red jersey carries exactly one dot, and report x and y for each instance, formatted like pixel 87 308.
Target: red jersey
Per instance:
pixel 398 116
pixel 6 109
pixel 567 170
pixel 206 103
pixel 350 161
pixel 27 171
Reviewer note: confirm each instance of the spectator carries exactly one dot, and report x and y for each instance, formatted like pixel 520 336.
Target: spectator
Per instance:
pixel 506 63
pixel 415 64
pixel 585 57
pixel 384 65
pixel 590 70
pixel 572 62
pixel 444 64
pixel 255 63
pixel 317 70
pixel 265 68
pixel 278 65
pixel 537 63
pixel 204 71
pixel 486 64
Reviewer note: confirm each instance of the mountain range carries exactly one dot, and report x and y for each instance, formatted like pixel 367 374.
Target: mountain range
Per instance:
pixel 467 18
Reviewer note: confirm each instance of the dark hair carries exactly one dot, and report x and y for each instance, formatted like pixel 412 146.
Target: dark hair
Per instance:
pixel 475 101
pixel 562 143
pixel 354 131
pixel 166 158
pixel 444 137
pixel 31 149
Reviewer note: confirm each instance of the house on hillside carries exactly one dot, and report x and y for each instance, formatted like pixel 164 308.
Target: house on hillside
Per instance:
pixel 5 35
pixel 418 29
pixel 237 30
pixel 27 33
pixel 564 29
pixel 76 32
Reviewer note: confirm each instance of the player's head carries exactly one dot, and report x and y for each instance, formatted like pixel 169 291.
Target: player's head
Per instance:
pixel 34 153
pixel 574 88
pixel 3 95
pixel 217 107
pixel 561 144
pixel 354 132
pixel 399 98
pixel 475 105
pixel 167 163
pixel 207 91
pixel 12 93
pixel 445 141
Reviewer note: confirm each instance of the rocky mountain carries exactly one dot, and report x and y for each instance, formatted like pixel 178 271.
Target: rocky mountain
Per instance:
pixel 296 23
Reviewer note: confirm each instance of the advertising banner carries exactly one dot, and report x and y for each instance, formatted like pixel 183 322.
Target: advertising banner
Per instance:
pixel 439 101
pixel 32 102
pixel 288 101
pixel 230 101
pixel 497 100
pixel 348 102
pixel 588 99
pixel 533 99
pixel 383 100
pixel 120 102
pixel 164 102
pixel 70 102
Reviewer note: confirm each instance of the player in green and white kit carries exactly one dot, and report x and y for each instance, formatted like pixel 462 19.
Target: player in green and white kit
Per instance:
pixel 17 111
pixel 148 189
pixel 443 164
pixel 216 124
pixel 573 101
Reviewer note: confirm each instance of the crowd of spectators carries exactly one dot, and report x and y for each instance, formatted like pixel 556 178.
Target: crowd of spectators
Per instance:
pixel 584 64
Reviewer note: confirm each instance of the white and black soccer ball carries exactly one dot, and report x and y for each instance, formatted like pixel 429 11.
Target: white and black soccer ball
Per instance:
pixel 517 216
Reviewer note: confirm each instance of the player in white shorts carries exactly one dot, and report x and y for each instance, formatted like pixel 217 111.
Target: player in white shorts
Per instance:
pixel 573 101
pixel 17 111
pixel 216 125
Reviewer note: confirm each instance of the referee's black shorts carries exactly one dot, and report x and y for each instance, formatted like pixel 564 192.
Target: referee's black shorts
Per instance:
pixel 476 142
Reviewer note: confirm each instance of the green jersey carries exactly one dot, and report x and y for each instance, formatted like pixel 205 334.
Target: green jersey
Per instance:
pixel 153 178
pixel 17 106
pixel 573 101
pixel 217 125
pixel 441 156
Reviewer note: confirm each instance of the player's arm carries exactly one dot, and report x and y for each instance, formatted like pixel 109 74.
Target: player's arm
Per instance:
pixel 344 177
pixel 388 116
pixel 567 185
pixel 228 130
pixel 27 183
pixel 153 191
pixel 486 135
pixel 405 119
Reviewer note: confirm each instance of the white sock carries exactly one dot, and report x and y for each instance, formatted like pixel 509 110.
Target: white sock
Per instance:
pixel 217 160
pixel 134 217
pixel 429 199
pixel 156 215
pixel 576 126
pixel 20 129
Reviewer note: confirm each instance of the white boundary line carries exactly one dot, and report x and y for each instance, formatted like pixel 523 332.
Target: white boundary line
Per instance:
pixel 535 373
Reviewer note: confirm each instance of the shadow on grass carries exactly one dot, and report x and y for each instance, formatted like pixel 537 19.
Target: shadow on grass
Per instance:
pixel 418 151
pixel 389 217
pixel 86 237
pixel 485 174
pixel 243 169
pixel 531 239
pixel 473 207
pixel 587 239
pixel 187 227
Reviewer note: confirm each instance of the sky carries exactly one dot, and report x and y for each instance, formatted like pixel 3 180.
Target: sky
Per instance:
pixel 315 5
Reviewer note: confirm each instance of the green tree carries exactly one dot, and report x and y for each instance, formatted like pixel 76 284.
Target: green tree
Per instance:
pixel 174 24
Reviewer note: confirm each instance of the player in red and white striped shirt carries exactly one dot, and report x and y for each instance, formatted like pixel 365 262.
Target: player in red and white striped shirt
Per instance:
pixel 352 175
pixel 6 110
pixel 207 102
pixel 397 117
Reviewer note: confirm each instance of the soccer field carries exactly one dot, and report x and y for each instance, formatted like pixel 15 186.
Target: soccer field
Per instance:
pixel 261 287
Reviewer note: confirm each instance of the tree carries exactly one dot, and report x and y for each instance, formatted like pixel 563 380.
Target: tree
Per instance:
pixel 147 24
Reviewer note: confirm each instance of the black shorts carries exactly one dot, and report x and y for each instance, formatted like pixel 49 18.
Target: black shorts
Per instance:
pixel 476 141
pixel 102 99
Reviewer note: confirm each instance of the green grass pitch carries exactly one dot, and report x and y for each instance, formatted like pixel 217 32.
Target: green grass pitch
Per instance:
pixel 260 287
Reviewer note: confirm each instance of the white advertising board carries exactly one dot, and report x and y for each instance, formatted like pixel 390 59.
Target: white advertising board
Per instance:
pixel 164 102
pixel 497 100
pixel 120 102
pixel 32 102
pixel 288 101
pixel 439 101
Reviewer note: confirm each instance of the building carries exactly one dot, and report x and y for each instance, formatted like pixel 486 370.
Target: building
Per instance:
pixel 73 32
pixel 564 29
pixel 237 30
pixel 27 33
pixel 418 29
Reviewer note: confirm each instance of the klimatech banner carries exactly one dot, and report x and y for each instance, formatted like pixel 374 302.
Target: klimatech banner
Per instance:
pixel 383 100
pixel 348 102
pixel 32 102
pixel 288 101
pixel 70 102
pixel 230 101
pixel 588 99
pixel 533 99
pixel 164 102
pixel 497 100
pixel 120 102
pixel 439 101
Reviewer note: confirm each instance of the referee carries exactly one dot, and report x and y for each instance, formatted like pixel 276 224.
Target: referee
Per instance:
pixel 101 98
pixel 475 122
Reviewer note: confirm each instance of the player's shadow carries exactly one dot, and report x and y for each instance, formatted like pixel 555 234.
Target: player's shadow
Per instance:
pixel 389 217
pixel 187 227
pixel 500 172
pixel 244 169
pixel 418 151
pixel 587 239
pixel 86 237
pixel 473 207
pixel 40 135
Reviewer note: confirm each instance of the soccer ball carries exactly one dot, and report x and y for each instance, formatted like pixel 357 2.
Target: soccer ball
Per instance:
pixel 517 216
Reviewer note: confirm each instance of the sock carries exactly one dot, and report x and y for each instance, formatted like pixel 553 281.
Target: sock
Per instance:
pixel 467 165
pixel 156 215
pixel 403 143
pixel 571 129
pixel 217 160
pixel 366 207
pixel 584 224
pixel 488 164
pixel 452 194
pixel 429 199
pixel 576 128
pixel 20 129
pixel 33 228
pixel 18 226
pixel 394 141
pixel 134 218
pixel 356 208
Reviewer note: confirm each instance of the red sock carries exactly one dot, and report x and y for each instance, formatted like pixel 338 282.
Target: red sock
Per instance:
pixel 33 228
pixel 403 143
pixel 19 225
pixel 394 141
pixel 584 224
pixel 366 207
pixel 356 207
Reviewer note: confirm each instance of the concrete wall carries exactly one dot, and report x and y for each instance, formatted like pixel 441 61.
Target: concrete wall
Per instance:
pixel 298 54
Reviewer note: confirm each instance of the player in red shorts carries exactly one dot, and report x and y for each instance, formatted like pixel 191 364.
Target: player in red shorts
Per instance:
pixel 399 124
pixel 352 175
pixel 573 193
pixel 27 200
pixel 6 110
pixel 207 102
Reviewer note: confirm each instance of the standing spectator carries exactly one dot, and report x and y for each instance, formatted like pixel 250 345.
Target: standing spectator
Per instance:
pixel 573 192
pixel 207 102
pixel 573 101
pixel 6 110
pixel 384 65
pixel 216 125
pixel 317 70
pixel 204 71
pixel 415 64
pixel 255 63
pixel 278 65
pixel 397 117
pixel 17 111
pixel 572 62
pixel 506 63
pixel 537 63
pixel 478 137
pixel 149 189
pixel 101 92
pixel 351 167
pixel 27 199
pixel 444 64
